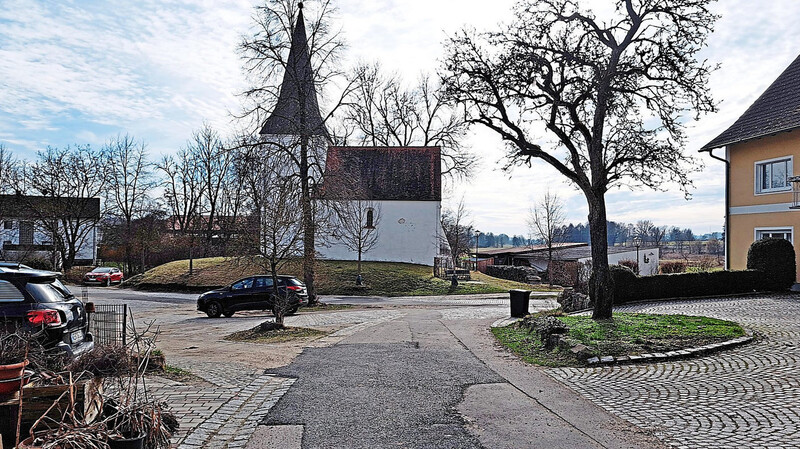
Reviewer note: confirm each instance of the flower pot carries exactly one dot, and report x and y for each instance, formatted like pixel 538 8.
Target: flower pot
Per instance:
pixel 12 371
pixel 8 386
pixel 27 443
pixel 127 441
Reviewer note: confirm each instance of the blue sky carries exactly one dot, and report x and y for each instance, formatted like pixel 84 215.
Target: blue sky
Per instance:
pixel 83 71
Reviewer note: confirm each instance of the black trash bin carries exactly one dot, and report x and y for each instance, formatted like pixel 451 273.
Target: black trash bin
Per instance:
pixel 519 302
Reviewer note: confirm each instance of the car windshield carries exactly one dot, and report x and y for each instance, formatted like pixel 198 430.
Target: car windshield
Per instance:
pixel 102 270
pixel 48 292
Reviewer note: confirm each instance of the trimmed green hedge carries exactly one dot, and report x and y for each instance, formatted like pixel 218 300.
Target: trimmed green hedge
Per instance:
pixel 775 258
pixel 628 287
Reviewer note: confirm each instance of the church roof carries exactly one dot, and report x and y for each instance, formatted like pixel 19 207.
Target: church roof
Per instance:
pixel 776 110
pixel 297 110
pixel 383 173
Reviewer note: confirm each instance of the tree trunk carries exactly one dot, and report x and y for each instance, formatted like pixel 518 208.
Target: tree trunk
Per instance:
pixel 601 287
pixel 359 261
pixel 309 255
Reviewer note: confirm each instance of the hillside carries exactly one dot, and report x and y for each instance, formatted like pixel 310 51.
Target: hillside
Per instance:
pixel 333 278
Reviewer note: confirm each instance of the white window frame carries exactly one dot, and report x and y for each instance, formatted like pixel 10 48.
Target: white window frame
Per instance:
pixel 757 231
pixel 757 175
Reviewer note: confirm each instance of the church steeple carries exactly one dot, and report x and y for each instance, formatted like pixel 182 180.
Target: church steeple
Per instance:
pixel 297 112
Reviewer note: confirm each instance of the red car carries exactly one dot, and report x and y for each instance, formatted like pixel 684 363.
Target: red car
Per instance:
pixel 103 276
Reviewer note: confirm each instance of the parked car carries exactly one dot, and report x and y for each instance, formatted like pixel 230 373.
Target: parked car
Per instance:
pixel 104 276
pixel 36 301
pixel 253 293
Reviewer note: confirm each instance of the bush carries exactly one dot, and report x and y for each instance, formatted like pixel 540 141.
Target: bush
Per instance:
pixel 684 285
pixel 39 264
pixel 525 275
pixel 632 264
pixel 673 267
pixel 775 258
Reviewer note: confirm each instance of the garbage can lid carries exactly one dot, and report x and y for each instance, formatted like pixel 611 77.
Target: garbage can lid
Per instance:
pixel 518 290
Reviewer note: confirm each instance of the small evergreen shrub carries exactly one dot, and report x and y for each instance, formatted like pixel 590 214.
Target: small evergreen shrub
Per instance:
pixel 624 280
pixel 673 267
pixel 632 264
pixel 776 259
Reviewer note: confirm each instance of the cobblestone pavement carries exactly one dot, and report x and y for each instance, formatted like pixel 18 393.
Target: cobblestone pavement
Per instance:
pixel 745 397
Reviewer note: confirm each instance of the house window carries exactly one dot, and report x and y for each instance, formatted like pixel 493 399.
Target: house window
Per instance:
pixel 25 233
pixel 775 233
pixel 773 175
pixel 370 218
pixel 8 224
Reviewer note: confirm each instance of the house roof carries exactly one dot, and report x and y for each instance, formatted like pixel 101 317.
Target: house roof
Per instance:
pixel 578 252
pixel 383 173
pixel 524 249
pixel 297 111
pixel 33 207
pixel 776 110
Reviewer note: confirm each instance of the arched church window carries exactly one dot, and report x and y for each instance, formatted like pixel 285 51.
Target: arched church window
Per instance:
pixel 370 218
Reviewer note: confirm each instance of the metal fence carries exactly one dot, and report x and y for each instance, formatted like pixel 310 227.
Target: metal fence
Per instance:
pixel 108 324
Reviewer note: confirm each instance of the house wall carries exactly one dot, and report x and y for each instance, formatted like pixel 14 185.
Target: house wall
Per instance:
pixel 648 259
pixel 750 210
pixel 408 231
pixel 86 250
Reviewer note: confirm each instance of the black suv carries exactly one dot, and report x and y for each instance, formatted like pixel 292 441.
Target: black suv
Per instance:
pixel 252 293
pixel 37 301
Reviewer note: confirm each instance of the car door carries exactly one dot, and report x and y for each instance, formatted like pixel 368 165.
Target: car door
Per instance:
pixel 242 294
pixel 263 290
pixel 116 275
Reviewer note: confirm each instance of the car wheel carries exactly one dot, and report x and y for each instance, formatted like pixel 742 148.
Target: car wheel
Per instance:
pixel 108 282
pixel 121 280
pixel 228 314
pixel 213 309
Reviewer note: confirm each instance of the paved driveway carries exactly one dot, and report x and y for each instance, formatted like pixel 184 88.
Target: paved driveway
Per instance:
pixel 745 397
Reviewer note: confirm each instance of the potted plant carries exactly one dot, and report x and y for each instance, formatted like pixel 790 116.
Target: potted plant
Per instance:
pixel 141 425
pixel 13 360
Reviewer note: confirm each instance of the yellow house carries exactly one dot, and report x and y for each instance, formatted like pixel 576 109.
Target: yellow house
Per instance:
pixel 760 151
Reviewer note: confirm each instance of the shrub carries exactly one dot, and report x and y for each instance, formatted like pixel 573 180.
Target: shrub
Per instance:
pixel 676 266
pixel 775 258
pixel 632 264
pixel 526 275
pixel 39 264
pixel 685 285
pixel 624 279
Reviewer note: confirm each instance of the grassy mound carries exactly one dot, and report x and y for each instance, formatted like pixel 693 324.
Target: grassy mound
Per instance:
pixel 274 334
pixel 333 278
pixel 625 334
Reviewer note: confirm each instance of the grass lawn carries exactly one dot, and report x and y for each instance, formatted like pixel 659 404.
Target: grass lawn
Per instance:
pixel 333 278
pixel 273 335
pixel 625 334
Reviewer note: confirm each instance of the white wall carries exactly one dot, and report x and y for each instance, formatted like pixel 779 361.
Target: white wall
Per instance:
pixel 408 231
pixel 646 268
pixel 86 247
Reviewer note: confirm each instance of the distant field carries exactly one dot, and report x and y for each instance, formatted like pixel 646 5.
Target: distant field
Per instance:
pixel 333 278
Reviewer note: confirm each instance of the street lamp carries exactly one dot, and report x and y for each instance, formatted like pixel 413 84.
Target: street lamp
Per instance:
pixel 637 242
pixel 477 235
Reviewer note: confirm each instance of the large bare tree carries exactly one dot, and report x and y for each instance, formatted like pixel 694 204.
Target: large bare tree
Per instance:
pixel 612 94
pixel 130 180
pixel 545 221
pixel 381 111
pixel 457 230
pixel 183 194
pixel 270 68
pixel 356 225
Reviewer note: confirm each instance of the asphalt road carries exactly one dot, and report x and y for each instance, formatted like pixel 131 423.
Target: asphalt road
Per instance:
pixel 384 394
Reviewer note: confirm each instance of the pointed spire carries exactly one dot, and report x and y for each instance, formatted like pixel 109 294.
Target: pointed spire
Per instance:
pixel 297 110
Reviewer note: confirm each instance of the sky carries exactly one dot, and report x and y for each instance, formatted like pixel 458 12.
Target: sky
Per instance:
pixel 83 71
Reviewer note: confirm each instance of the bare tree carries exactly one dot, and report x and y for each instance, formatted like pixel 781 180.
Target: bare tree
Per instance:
pixel 612 93
pixel 182 193
pixel 130 183
pixel 356 225
pixel 457 230
pixel 71 180
pixel 273 69
pixel 545 221
pixel 212 160
pixel 384 113
pixel 271 194
pixel 9 167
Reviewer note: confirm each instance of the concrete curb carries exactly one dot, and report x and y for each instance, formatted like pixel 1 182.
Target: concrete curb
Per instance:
pixel 671 355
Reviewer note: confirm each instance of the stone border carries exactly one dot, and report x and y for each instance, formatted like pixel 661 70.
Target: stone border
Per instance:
pixel 655 357
pixel 671 355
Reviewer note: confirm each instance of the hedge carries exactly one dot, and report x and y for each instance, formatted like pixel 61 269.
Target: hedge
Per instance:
pixel 775 258
pixel 526 275
pixel 628 287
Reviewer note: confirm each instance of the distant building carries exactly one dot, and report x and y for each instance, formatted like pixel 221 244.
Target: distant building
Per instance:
pixel 759 153
pixel 26 224
pixel 402 187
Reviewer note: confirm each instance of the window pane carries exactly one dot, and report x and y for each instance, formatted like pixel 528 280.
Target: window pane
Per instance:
pixel 764 176
pixel 779 175
pixel 9 293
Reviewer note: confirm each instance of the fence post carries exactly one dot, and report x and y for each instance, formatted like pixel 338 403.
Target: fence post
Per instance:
pixel 124 324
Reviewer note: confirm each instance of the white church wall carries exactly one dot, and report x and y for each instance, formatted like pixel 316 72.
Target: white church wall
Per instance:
pixel 408 231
